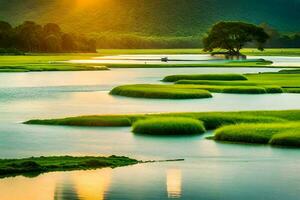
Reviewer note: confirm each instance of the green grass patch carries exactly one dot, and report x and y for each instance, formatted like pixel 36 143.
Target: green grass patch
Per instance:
pixel 286 134
pixel 220 77
pixel 216 120
pixel 289 71
pixel 287 138
pixel 107 121
pixel 246 51
pixel 292 90
pixel 12 167
pixel 220 83
pixel 212 120
pixel 168 126
pixel 160 92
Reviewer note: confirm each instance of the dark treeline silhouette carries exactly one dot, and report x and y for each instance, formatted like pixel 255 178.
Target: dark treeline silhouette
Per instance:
pixel 278 40
pixel 32 37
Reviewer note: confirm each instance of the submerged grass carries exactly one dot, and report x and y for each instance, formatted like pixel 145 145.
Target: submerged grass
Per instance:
pixel 286 134
pixel 220 77
pixel 160 92
pixel 12 167
pixel 168 126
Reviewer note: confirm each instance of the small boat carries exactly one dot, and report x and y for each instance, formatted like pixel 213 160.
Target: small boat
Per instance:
pixel 164 59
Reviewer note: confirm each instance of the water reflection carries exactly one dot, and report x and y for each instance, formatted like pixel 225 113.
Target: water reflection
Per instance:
pixel 77 185
pixel 174 183
pixel 92 185
pixel 84 185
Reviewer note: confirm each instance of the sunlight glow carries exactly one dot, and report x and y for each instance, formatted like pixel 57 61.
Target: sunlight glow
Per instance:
pixel 89 3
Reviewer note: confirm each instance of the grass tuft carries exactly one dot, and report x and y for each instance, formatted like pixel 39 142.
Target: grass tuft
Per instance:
pixel 169 126
pixel 287 138
pixel 286 134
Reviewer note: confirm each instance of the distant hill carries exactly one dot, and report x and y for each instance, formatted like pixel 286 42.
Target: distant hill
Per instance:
pixel 151 17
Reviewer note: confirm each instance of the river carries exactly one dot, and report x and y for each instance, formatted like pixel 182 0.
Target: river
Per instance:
pixel 210 171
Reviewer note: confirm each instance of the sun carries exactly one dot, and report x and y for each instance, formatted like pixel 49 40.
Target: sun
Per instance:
pixel 86 3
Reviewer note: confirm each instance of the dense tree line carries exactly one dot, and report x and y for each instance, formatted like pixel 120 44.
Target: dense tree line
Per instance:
pixel 278 40
pixel 32 37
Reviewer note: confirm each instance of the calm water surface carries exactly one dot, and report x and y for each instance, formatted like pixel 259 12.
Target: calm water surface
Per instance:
pixel 211 170
pixel 183 59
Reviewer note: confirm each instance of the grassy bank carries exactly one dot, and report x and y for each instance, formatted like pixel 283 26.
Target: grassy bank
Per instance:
pixel 53 62
pixel 262 127
pixel 219 77
pixel 246 51
pixel 281 79
pixel 160 92
pixel 168 126
pixel 46 62
pixel 11 167
pixel 212 120
pixel 188 91
pixel 276 82
pixel 285 134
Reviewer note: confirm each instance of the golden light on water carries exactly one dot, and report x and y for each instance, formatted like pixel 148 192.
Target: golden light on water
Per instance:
pixel 174 183
pixel 92 185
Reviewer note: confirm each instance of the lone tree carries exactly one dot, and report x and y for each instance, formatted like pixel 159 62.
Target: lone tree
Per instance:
pixel 233 36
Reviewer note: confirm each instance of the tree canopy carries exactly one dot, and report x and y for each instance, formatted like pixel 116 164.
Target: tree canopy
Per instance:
pixel 32 37
pixel 233 36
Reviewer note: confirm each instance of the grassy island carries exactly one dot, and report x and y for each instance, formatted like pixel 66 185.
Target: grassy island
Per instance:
pixel 263 127
pixel 267 127
pixel 160 92
pixel 219 77
pixel 284 134
pixel 37 165
pixel 169 126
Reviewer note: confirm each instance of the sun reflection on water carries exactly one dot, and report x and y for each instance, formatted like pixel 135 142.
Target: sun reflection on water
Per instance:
pixel 174 183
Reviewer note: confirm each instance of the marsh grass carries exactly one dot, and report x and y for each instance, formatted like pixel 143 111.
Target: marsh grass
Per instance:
pixel 216 120
pixel 292 90
pixel 219 83
pixel 212 120
pixel 236 84
pixel 286 134
pixel 107 121
pixel 220 77
pixel 168 126
pixel 160 92
pixel 181 91
pixel 11 167
pixel 287 138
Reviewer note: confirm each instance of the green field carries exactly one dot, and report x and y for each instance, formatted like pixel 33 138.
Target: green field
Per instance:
pixel 246 51
pixel 13 167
